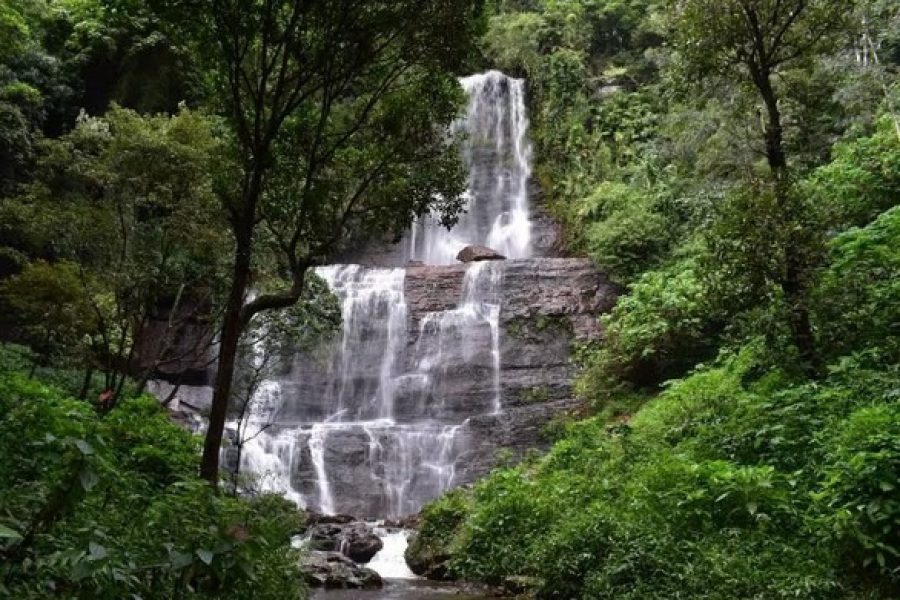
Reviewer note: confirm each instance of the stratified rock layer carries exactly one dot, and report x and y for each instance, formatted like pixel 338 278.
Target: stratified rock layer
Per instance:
pixel 446 433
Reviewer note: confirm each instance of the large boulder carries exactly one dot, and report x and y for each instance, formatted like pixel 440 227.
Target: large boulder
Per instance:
pixel 315 518
pixel 360 543
pixel 475 253
pixel 355 539
pixel 427 560
pixel 334 570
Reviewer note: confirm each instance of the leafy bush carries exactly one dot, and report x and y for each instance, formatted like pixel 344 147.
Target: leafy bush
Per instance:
pixel 506 507
pixel 514 42
pixel 859 294
pixel 631 238
pixel 720 487
pixel 863 179
pixel 110 507
pixel 431 548
pixel 860 496
pixel 659 330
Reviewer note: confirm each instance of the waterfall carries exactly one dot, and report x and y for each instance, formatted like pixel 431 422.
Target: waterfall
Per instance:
pixel 379 424
pixel 389 562
pixel 498 156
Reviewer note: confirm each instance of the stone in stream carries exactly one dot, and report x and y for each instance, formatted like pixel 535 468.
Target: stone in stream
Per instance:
pixel 334 570
pixel 355 539
pixel 427 560
pixel 316 518
pixel 474 253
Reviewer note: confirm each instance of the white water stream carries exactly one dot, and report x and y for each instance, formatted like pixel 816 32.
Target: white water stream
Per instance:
pixel 389 562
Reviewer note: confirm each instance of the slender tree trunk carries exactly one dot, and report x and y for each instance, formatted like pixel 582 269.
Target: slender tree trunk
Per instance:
pixel 229 340
pixel 86 383
pixel 793 284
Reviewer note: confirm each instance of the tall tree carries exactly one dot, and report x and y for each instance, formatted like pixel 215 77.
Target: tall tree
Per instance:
pixel 753 42
pixel 124 207
pixel 339 111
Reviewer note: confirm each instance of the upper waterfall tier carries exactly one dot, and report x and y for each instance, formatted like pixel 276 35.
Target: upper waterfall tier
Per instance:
pixel 498 155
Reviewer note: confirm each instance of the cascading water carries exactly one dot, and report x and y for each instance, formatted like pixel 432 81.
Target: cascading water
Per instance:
pixel 498 155
pixel 378 425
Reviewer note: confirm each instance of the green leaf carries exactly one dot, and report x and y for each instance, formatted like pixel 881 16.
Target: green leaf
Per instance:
pixel 97 552
pixel 9 534
pixel 84 447
pixel 206 556
pixel 88 479
pixel 180 560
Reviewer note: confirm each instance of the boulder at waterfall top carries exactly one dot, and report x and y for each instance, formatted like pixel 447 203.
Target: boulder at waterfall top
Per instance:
pixel 475 253
pixel 334 570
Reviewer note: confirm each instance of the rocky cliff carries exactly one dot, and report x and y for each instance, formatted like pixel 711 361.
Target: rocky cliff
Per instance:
pixel 459 391
pixel 546 304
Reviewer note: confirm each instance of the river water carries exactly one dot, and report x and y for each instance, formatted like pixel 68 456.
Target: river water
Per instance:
pixel 400 589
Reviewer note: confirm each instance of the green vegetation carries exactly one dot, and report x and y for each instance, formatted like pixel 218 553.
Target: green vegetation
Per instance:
pixel 110 506
pixel 734 165
pixel 734 482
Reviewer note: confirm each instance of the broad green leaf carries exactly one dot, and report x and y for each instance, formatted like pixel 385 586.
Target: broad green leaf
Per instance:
pixel 97 552
pixel 84 447
pixel 88 479
pixel 8 533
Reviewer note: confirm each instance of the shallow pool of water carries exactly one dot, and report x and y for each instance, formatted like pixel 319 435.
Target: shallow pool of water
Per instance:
pixel 400 589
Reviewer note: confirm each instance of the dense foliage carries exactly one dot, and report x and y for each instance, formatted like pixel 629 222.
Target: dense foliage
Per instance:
pixel 741 185
pixel 110 507
pixel 734 165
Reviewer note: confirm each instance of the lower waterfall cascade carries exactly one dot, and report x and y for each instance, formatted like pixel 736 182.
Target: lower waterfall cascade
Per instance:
pixel 424 383
pixel 412 459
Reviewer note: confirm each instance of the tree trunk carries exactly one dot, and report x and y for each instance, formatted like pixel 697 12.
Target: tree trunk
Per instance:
pixel 86 383
pixel 229 340
pixel 792 284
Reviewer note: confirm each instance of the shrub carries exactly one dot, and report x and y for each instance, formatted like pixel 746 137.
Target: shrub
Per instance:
pixel 860 496
pixel 859 293
pixel 109 507
pixel 661 329
pixel 433 546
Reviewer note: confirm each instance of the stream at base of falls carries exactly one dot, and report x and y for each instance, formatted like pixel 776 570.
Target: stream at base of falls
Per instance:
pixel 400 589
pixel 399 582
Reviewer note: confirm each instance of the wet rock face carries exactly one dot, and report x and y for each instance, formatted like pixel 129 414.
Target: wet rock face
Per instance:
pixel 545 305
pixel 426 561
pixel 483 389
